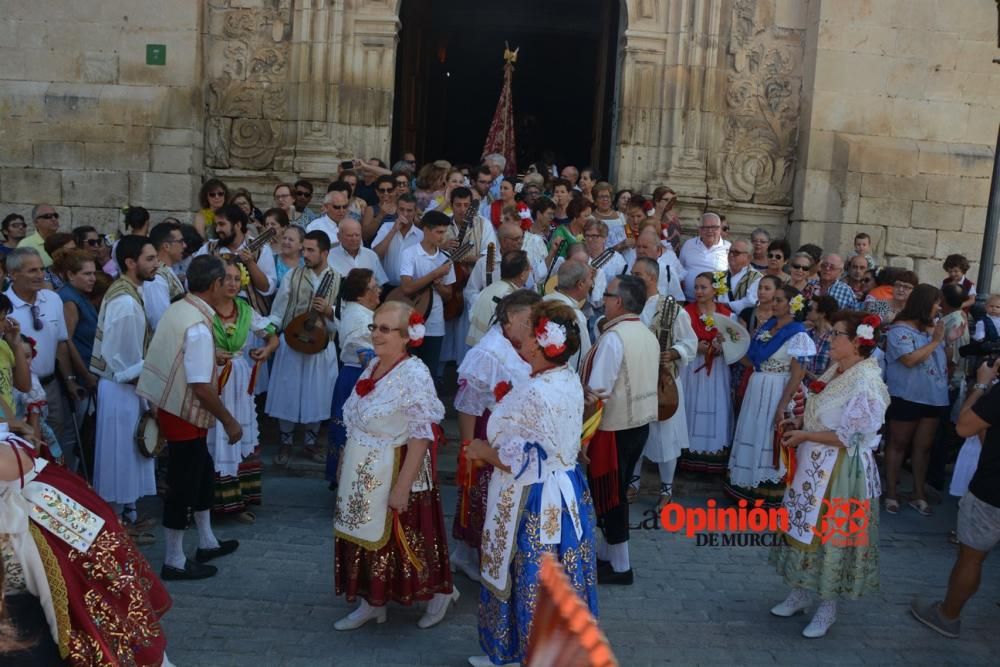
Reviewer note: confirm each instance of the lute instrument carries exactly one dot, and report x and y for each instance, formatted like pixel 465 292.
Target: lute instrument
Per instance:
pixel 596 263
pixel 667 399
pixel 455 305
pixel 423 300
pixel 307 332
pixel 491 260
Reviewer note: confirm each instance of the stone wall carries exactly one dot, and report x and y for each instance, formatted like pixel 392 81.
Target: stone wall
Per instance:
pixel 900 109
pixel 89 127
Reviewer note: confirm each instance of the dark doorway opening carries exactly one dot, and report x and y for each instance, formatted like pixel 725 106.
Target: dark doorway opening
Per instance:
pixel 449 69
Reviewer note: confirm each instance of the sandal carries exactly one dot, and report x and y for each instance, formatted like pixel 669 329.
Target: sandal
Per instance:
pixel 921 506
pixel 892 506
pixel 633 489
pixel 666 496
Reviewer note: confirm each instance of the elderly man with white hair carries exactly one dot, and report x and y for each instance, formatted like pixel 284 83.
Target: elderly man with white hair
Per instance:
pixel 350 254
pixel 707 252
pixel 497 163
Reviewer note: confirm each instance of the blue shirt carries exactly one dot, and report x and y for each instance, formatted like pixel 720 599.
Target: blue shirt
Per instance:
pixel 927 382
pixel 86 326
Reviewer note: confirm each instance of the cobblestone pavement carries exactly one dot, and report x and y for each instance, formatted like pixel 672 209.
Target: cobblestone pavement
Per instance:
pixel 272 602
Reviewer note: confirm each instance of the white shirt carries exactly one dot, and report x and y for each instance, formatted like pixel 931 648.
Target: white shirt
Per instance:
pixel 977 335
pixel 484 227
pixel 156 297
pixel 399 243
pixel 53 331
pixel 607 363
pixel 324 224
pixel 123 334
pixel 697 258
pixel 265 262
pixel 581 321
pixel 614 267
pixel 199 354
pixel 671 274
pixel 477 281
pixel 416 264
pixel 685 339
pixel 341 261
pixel 749 300
pixel 596 296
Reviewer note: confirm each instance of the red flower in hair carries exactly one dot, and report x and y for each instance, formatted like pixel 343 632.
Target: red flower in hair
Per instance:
pixel 816 386
pixel 502 389
pixel 551 337
pixel 415 329
pixel 34 346
pixel 525 224
pixel 364 387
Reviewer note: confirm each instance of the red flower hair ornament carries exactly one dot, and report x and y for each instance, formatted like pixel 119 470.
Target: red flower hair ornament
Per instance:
pixel 867 332
pixel 551 337
pixel 415 329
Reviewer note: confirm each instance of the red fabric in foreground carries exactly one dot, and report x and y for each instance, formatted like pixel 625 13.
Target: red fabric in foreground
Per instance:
pixel 604 472
pixel 115 599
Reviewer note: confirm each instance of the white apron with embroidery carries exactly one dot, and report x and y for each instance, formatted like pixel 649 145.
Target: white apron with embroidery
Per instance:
pixel 52 510
pixel 536 429
pixel 853 406
pixel 402 405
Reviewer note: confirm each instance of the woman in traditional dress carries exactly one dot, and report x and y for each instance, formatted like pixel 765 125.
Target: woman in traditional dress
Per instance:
pixel 834 445
pixel 391 543
pixel 79 588
pixel 755 316
pixel 359 295
pixel 507 198
pixel 237 466
pixel 707 399
pixel 778 352
pixel 538 497
pixel 487 368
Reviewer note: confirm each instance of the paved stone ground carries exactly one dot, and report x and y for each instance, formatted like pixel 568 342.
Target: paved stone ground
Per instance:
pixel 272 602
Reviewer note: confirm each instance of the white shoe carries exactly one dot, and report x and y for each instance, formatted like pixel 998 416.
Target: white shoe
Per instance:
pixel 484 661
pixel 364 613
pixel 822 620
pixel 795 603
pixel 437 608
pixel 468 569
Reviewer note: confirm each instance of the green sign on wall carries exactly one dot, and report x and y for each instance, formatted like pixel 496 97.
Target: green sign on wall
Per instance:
pixel 156 54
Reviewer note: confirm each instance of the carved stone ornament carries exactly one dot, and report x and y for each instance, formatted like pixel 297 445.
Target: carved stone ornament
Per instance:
pixel 762 102
pixel 217 132
pixel 254 142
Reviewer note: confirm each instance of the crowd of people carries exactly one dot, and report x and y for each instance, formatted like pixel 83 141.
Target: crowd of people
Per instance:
pixel 587 335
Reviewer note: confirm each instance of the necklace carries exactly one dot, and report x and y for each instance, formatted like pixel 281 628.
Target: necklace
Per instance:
pixel 231 314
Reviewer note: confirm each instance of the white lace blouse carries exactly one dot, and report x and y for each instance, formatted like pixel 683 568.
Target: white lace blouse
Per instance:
pixel 493 360
pixel 402 405
pixel 354 333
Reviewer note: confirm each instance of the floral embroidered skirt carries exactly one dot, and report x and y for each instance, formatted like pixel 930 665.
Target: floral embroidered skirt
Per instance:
pixel 504 625
pixel 108 601
pixel 387 574
pixel 234 492
pixel 847 566
pixel 346 380
pixel 470 513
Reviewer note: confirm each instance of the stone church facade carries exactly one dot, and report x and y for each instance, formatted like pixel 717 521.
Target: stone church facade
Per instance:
pixel 813 118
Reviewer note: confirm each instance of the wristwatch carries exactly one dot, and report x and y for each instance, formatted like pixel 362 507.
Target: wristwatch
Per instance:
pixel 981 387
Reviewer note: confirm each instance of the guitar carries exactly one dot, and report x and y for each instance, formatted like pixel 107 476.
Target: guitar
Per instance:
pixel 455 306
pixel 596 264
pixel 423 300
pixel 666 386
pixel 491 260
pixel 260 303
pixel 304 334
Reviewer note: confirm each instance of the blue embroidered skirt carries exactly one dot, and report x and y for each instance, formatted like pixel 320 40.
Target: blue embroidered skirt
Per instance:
pixel 504 625
pixel 346 380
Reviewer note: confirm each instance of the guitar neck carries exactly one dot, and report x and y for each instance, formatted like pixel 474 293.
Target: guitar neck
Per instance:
pixel 324 287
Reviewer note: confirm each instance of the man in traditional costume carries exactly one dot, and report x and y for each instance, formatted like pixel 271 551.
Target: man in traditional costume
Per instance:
pixel 618 369
pixel 514 272
pixel 165 286
pixel 122 474
pixel 232 238
pixel 301 385
pixel 671 325
pixel 179 378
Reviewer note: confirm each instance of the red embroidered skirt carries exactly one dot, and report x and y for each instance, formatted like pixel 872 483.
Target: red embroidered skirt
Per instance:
pixel 387 575
pixel 470 510
pixel 108 601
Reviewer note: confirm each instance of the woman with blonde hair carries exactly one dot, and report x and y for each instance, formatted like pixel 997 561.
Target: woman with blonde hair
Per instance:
pixel 430 182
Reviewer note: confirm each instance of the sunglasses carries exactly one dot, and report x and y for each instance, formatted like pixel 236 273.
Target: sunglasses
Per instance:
pixel 300 193
pixel 36 318
pixel 381 328
pixel 216 194
pixel 775 255
pixel 93 243
pixel 801 267
pixel 385 191
pixel 733 251
pixel 339 207
pixel 49 216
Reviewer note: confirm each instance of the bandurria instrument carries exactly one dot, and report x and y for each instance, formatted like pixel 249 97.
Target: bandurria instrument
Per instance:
pixel 304 333
pixel 596 263
pixel 666 386
pixel 491 260
pixel 422 301
pixel 455 306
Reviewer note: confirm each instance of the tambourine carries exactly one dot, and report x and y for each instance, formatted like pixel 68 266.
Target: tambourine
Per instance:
pixel 147 436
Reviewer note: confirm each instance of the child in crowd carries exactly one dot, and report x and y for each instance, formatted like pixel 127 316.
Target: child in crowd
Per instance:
pixel 988 326
pixel 956 266
pixel 863 248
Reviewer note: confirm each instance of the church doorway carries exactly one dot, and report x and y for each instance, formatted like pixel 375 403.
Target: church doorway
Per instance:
pixel 449 68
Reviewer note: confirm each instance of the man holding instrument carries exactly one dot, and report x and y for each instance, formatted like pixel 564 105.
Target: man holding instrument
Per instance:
pixel 301 384
pixel 122 474
pixel 231 229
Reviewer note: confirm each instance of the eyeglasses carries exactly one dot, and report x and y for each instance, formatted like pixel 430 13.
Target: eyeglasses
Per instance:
pixel 828 265
pixel 381 328
pixel 48 216
pixel 836 333
pixel 710 227
pixel 302 193
pixel 734 251
pixel 402 184
pixel 903 286
pixel 775 255
pixel 284 196
pixel 385 191
pixel 801 267
pixel 610 295
pixel 338 207
pixel 93 243
pixel 216 194
pixel 18 225
pixel 36 318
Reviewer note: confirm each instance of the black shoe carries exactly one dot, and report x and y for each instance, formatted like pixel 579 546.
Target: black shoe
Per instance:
pixel 603 564
pixel 612 578
pixel 191 571
pixel 225 548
